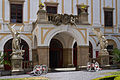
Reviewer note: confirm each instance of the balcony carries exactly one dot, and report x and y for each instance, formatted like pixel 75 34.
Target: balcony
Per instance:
pixel 58 19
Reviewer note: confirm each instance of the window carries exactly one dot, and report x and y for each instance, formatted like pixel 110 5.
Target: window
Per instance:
pixel 51 9
pixel 108 15
pixel 16 14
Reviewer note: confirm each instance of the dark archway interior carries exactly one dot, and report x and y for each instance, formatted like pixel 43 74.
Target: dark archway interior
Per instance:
pixel 56 54
pixel 90 50
pixel 8 51
pixel 75 54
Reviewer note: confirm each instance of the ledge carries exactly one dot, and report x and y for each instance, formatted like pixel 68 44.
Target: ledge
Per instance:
pixel 108 9
pixel 51 3
pixel 17 1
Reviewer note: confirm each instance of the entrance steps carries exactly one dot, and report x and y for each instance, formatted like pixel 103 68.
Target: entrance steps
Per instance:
pixel 64 69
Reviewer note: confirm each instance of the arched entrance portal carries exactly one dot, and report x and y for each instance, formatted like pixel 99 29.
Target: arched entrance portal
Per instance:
pixel 75 54
pixel 111 45
pixel 56 54
pixel 90 50
pixel 61 51
pixel 8 51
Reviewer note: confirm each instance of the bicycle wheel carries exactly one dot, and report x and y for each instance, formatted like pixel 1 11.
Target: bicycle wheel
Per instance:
pixel 44 69
pixel 37 70
pixel 38 73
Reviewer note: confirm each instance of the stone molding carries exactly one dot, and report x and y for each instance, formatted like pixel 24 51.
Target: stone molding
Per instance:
pixel 51 3
pixel 17 1
pixel 108 9
pixel 42 47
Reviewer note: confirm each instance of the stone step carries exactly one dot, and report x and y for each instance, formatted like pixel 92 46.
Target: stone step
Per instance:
pixel 65 69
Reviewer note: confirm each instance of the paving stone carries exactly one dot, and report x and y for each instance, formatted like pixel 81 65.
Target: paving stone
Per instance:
pixel 72 75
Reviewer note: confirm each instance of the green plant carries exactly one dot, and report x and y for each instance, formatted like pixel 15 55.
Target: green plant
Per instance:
pixel 2 61
pixel 111 73
pixel 116 57
pixel 111 77
pixel 117 78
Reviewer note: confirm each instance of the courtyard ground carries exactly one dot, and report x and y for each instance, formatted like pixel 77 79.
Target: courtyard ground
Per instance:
pixel 69 75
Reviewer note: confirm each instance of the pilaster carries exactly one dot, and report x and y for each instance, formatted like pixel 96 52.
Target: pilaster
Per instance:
pixel 82 56
pixel 34 57
pixel 67 57
pixel 43 55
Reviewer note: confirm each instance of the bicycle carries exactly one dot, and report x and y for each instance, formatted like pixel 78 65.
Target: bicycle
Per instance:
pixel 39 69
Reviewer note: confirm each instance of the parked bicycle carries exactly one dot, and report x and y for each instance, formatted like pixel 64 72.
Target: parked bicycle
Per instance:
pixel 93 66
pixel 39 69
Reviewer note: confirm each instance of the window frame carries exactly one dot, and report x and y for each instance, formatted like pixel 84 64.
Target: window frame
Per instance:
pixel 52 4
pixel 21 2
pixel 16 13
pixel 51 8
pixel 109 10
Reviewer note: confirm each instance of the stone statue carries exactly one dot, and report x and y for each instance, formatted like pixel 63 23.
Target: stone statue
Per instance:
pixel 102 40
pixel 16 41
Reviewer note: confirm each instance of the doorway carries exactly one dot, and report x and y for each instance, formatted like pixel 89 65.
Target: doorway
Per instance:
pixel 75 54
pixel 90 50
pixel 56 54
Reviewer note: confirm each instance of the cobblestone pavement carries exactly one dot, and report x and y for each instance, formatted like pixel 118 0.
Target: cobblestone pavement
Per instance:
pixel 73 75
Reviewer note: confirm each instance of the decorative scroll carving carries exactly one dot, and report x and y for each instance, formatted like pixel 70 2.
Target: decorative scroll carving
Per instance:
pixel 64 19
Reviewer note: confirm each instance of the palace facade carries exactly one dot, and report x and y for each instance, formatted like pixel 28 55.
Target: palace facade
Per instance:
pixel 60 34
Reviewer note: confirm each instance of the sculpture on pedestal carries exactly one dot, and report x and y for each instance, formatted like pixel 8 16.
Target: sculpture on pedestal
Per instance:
pixel 103 57
pixel 17 52
pixel 102 41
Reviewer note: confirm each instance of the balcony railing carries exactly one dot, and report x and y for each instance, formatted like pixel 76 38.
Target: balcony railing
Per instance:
pixel 59 19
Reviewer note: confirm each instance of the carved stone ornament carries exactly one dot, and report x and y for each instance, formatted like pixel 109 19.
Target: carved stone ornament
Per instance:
pixel 65 19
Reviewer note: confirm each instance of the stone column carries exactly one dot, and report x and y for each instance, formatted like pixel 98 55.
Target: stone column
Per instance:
pixel 67 57
pixel 34 57
pixel 43 55
pixel 82 56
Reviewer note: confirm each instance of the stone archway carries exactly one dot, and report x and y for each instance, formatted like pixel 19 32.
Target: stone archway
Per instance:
pixel 8 51
pixel 61 47
pixel 111 45
pixel 66 36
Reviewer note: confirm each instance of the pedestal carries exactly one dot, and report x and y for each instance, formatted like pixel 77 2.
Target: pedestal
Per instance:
pixel 84 18
pixel 41 16
pixel 16 63
pixel 103 59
